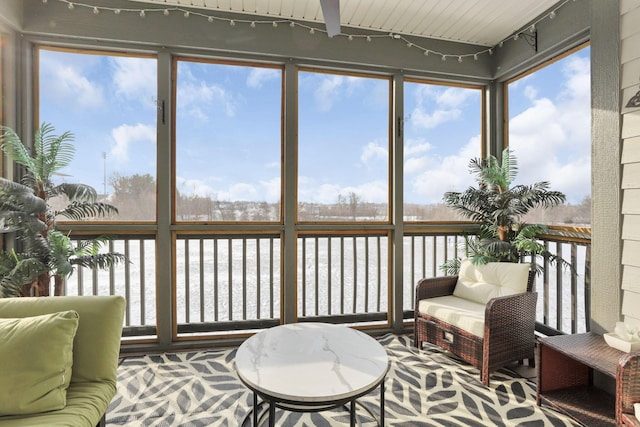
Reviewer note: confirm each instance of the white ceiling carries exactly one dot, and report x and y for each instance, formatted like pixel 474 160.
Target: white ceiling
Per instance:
pixel 481 22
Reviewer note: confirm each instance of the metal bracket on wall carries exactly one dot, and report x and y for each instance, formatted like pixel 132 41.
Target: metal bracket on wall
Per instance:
pixel 531 39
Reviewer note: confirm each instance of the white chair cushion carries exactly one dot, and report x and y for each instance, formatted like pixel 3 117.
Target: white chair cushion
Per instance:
pixel 480 283
pixel 464 314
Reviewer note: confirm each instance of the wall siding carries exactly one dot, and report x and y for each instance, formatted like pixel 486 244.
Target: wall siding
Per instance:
pixel 630 86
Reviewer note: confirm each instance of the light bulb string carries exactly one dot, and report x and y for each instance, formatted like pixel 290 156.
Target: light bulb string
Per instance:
pixel 142 12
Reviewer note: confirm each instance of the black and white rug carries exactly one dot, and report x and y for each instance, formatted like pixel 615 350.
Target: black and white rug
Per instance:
pixel 423 388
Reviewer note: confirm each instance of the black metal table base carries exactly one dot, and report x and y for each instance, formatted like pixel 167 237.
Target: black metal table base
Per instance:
pixel 267 408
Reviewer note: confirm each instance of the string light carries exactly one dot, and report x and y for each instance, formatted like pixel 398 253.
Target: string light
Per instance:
pixel 312 30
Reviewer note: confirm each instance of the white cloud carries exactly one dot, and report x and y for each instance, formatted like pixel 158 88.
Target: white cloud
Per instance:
pixel 530 92
pixel 271 189
pixel 422 119
pixel 435 105
pixel 199 98
pixel 453 97
pixel 373 151
pixel 267 190
pixel 240 191
pixel 550 139
pixel 429 177
pixel 126 135
pixel 374 192
pixel 332 88
pixel 416 146
pixel 67 82
pixel 135 79
pixel 194 187
pixel 258 76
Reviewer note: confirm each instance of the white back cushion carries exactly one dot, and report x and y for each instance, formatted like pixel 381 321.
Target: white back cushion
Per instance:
pixel 480 283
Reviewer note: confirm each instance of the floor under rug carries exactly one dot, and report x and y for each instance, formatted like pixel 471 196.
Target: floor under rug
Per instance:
pixel 426 388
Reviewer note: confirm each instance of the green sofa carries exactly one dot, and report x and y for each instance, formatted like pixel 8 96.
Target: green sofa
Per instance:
pixel 95 352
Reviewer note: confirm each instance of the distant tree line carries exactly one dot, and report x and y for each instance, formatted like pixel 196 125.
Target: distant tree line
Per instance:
pixel 135 198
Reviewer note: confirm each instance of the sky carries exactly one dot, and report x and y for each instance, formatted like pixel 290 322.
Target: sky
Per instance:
pixel 228 128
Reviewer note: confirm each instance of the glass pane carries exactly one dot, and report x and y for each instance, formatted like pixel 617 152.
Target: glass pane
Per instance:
pixel 228 142
pixel 343 147
pixel 550 135
pixel 442 132
pixel 108 103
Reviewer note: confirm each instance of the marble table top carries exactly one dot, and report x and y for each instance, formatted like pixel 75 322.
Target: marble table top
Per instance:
pixel 311 362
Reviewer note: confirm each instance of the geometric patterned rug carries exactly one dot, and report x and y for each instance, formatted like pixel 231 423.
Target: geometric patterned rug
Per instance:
pixel 423 388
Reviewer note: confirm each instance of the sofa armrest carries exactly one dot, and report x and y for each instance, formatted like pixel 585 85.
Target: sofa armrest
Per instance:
pixel 435 287
pixel 510 319
pixel 627 384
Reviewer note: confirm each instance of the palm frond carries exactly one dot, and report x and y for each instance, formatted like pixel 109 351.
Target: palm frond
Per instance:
pixel 92 246
pixel 509 166
pixel 75 192
pixel 18 270
pixel 60 249
pixel 18 197
pixel 451 267
pixel 82 210
pixel 101 261
pixel 11 221
pixel 13 147
pixel 52 152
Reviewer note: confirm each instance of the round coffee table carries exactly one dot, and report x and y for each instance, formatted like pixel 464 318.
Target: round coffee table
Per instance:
pixel 311 367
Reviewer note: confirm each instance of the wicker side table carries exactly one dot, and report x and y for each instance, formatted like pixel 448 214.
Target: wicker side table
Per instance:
pixel 566 364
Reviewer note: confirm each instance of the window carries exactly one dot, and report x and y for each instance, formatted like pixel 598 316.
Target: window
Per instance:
pixel 108 102
pixel 442 132
pixel 228 142
pixel 549 132
pixel 343 147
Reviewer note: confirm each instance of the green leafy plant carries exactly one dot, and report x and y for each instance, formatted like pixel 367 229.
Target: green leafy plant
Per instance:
pixel 499 208
pixel 42 252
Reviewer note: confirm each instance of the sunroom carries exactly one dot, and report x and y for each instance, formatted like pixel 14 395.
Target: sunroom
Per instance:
pixel 266 173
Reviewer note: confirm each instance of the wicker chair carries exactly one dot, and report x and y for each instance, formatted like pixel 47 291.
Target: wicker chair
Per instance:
pixel 627 389
pixel 509 324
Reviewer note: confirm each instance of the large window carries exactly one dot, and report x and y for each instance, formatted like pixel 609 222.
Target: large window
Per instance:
pixel 343 147
pixel 228 142
pixel 442 132
pixel 108 102
pixel 550 134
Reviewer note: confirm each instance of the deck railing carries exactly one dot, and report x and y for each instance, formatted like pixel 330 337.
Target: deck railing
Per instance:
pixel 234 282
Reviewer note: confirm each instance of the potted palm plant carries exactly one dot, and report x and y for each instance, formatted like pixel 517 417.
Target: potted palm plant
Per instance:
pixel 42 252
pixel 499 208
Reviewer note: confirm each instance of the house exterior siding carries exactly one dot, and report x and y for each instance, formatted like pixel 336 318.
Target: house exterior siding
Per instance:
pixel 630 159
